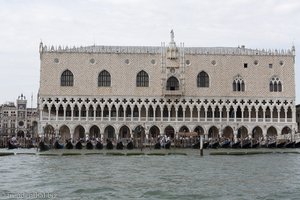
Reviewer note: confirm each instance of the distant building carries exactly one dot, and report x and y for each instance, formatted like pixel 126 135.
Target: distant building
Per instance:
pixel 118 91
pixel 18 120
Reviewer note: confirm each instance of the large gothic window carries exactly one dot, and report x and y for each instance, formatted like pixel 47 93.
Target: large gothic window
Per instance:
pixel 275 85
pixel 172 83
pixel 202 79
pixel 238 84
pixel 104 79
pixel 67 78
pixel 142 79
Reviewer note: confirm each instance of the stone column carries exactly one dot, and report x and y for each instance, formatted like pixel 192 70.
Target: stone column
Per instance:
pixel 205 113
pixel 285 115
pixel 139 109
pixel 109 113
pixel 49 114
pixel 191 114
pixel 169 114
pixel 131 113
pixel 79 117
pixel 95 108
pixel 235 111
pixel 65 110
pixel 117 114
pixel 264 115
pixel 147 113
pixel 256 112
pixel 56 114
pixel 242 110
pixel 176 114
pixel 183 114
pixel 72 113
pixel 271 112
pixel 161 114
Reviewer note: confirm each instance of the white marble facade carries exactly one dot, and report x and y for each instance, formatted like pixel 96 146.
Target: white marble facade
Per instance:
pixel 113 91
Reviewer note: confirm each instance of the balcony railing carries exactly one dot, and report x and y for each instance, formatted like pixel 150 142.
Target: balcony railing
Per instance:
pixel 172 119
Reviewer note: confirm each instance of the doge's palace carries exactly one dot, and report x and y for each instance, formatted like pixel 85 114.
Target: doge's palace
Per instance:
pixel 118 91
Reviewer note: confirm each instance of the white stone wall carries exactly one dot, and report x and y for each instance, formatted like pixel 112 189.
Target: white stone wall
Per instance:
pixel 256 77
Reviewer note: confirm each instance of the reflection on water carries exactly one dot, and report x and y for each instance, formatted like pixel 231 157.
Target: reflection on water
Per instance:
pixel 269 176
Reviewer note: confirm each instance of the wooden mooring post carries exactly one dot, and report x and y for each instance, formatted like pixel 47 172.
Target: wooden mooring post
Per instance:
pixel 201 145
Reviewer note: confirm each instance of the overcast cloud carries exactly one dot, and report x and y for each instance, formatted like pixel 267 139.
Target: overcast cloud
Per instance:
pixel 23 24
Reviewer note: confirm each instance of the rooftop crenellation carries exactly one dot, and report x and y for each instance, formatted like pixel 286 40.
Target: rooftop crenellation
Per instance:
pixel 158 49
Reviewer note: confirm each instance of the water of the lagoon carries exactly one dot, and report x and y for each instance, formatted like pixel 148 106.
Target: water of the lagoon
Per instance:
pixel 266 176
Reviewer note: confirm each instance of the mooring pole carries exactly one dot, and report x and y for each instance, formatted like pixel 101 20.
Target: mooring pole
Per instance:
pixel 201 145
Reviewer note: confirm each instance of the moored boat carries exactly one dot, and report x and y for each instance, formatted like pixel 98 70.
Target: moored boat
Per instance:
pixel 130 145
pixel 109 145
pixel 69 145
pixel 225 144
pixel 43 146
pixel 236 145
pixel 78 145
pixel 89 145
pixel 57 145
pixel 120 145
pixel 11 145
pixel 99 145
pixel 290 145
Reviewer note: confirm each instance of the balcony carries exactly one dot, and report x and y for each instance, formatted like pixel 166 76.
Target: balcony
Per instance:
pixel 172 92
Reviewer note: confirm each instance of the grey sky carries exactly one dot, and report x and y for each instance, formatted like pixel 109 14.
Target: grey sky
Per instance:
pixel 23 24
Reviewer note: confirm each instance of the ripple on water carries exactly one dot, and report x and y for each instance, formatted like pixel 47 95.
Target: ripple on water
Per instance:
pixel 270 176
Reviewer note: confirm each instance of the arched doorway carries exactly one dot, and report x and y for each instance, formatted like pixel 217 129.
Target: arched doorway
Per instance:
pixel 94 132
pixel 271 132
pixel 124 133
pixel 109 133
pixel 172 83
pixel 213 132
pixel 242 132
pixel 64 132
pixel 257 133
pixel 199 130
pixel 79 132
pixel 154 132
pixel 228 133
pixel 184 129
pixel 169 132
pixel 49 133
pixel 286 130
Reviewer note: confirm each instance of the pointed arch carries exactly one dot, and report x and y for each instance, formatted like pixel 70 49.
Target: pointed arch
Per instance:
pixel 109 132
pixel 202 79
pixel 213 132
pixel 64 132
pixel 184 129
pixel 104 79
pixel 228 133
pixel 94 132
pixel 170 131
pixel 271 132
pixel 67 78
pixel 79 132
pixel 242 132
pixel 142 79
pixel 257 133
pixel 154 132
pixel 124 132
pixel 172 83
